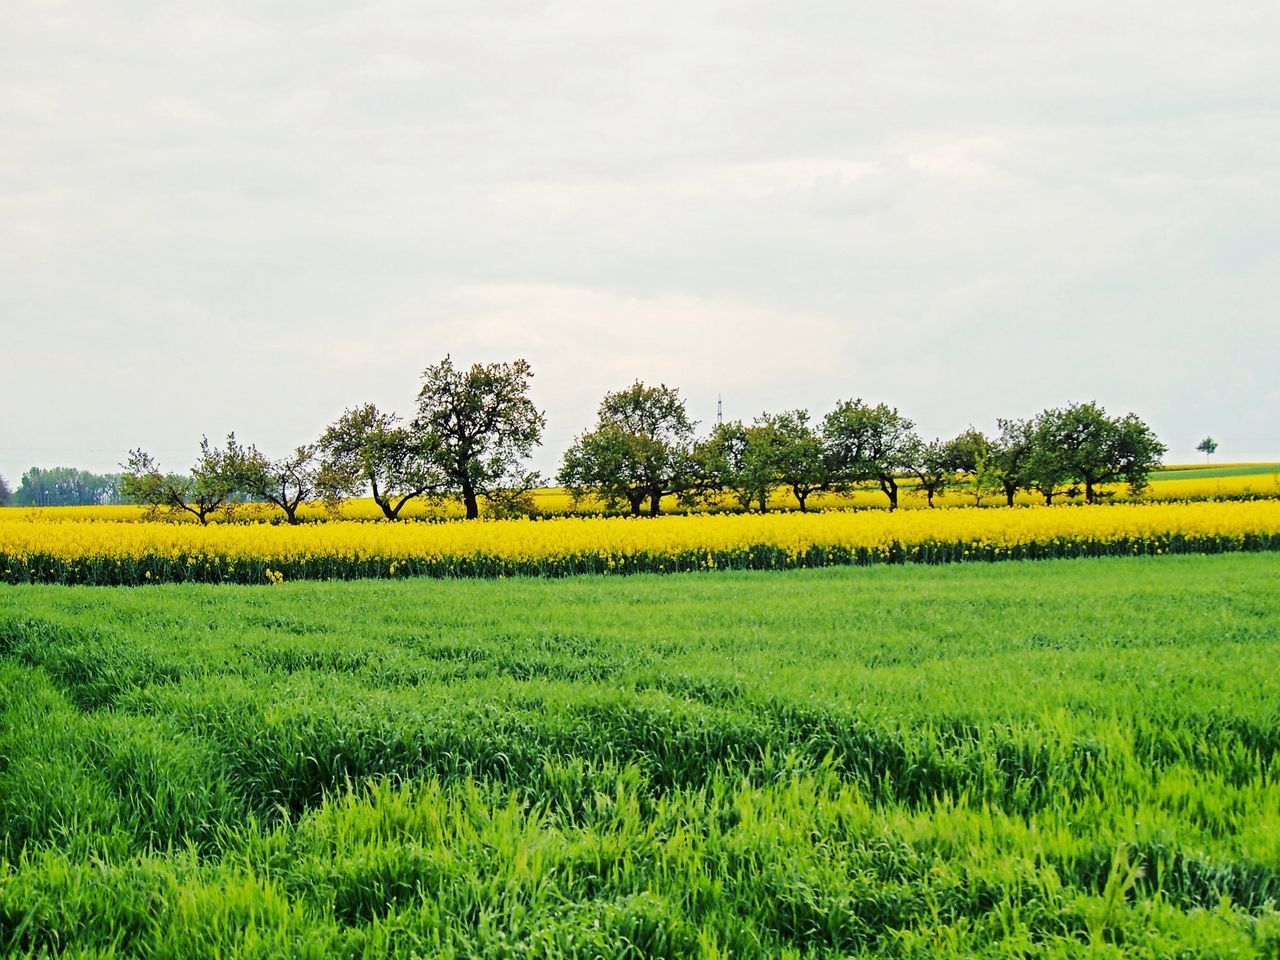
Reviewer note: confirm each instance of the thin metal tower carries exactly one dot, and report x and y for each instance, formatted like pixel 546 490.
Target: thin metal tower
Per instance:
pixel 719 410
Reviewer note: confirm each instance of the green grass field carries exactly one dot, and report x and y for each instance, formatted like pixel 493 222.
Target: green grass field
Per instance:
pixel 1055 758
pixel 1211 472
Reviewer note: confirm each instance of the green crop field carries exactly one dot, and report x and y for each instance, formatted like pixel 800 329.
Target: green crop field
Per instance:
pixel 1209 472
pixel 1054 758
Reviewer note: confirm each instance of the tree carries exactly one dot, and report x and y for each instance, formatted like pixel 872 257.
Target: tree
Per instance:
pixel 798 454
pixel 367 449
pixel 1208 446
pixel 214 480
pixel 640 449
pixel 479 425
pixel 866 443
pixel 5 492
pixel 1010 457
pixel 1084 445
pixel 609 462
pixel 741 459
pixel 934 468
pixel 973 454
pixel 1136 452
pixel 1048 465
pixel 288 482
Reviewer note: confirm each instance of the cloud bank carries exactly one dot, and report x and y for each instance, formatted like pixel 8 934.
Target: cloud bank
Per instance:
pixel 252 216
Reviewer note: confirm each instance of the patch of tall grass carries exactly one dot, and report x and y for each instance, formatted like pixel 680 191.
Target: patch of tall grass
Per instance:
pixel 1052 759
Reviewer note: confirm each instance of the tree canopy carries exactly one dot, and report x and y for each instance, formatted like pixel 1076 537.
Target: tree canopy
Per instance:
pixel 1081 444
pixel 478 427
pixel 798 455
pixel 641 448
pixel 866 443
pixel 212 484
pixel 288 482
pixel 740 459
pixel 366 449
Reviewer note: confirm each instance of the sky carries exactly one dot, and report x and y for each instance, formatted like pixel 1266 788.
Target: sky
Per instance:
pixel 250 216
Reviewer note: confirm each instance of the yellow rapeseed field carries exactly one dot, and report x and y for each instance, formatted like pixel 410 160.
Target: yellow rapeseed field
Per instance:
pixel 80 551
pixel 1167 486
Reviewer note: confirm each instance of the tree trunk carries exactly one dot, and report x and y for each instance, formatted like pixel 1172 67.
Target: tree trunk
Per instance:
pixel 383 502
pixel 1009 493
pixel 764 501
pixel 469 500
pixel 890 488
pixel 801 497
pixel 1088 491
pixel 291 512
pixel 929 496
pixel 655 503
pixel 635 499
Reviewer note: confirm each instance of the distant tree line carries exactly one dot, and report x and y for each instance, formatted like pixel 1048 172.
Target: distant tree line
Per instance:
pixel 62 487
pixel 474 430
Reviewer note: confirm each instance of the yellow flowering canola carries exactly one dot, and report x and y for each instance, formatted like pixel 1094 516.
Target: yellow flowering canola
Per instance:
pixel 80 551
pixel 1166 486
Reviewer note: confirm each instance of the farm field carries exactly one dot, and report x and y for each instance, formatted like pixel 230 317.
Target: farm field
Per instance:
pixel 1052 758
pixel 1168 484
pixel 1214 470
pixel 40 551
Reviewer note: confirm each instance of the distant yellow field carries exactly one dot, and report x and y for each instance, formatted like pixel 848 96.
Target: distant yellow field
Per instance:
pixel 1166 486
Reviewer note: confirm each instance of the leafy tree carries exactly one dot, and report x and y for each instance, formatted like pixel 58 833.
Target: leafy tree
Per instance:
pixel 214 480
pixel 1086 446
pixel 367 449
pixel 1136 452
pixel 1048 466
pixel 797 454
pixel 973 454
pixel 479 425
pixel 5 492
pixel 1010 457
pixel 741 459
pixel 934 468
pixel 610 462
pixel 640 449
pixel 866 443
pixel 288 482
pixel 1208 446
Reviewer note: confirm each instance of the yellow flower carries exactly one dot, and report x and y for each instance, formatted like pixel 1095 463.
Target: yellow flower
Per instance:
pixel 81 550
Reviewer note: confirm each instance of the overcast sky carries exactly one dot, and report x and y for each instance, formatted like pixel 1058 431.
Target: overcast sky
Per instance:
pixel 250 215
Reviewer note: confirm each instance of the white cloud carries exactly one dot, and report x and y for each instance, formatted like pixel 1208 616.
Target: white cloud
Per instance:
pixel 251 216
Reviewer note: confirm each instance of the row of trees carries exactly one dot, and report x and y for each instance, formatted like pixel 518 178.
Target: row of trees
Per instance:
pixel 62 487
pixel 475 429
pixel 643 448
pixel 472 433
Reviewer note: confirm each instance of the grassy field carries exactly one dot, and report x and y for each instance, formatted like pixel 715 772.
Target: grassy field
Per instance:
pixel 1214 471
pixel 1059 758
